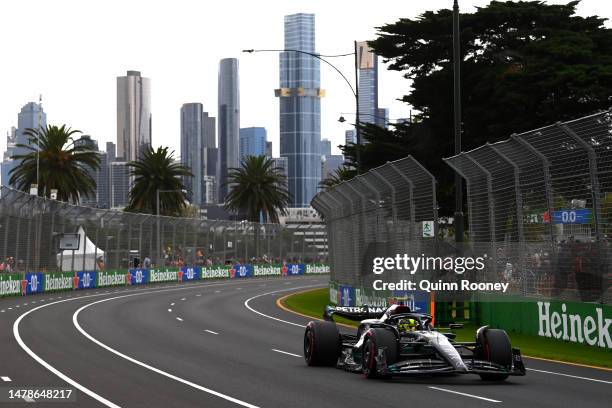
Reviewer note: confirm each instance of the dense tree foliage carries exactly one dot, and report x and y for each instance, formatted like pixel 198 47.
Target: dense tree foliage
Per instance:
pixel 524 65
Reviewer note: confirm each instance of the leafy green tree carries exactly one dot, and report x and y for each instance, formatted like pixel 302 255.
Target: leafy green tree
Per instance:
pixel 257 187
pixel 156 171
pixel 524 65
pixel 62 165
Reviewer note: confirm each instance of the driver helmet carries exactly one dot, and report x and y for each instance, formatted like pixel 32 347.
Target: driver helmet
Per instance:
pixel 407 325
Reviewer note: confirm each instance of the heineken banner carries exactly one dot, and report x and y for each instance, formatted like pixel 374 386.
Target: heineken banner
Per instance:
pixel 316 269
pixel 54 282
pixel 85 280
pixel 166 275
pixel 32 283
pixel 189 273
pixel 138 276
pixel 241 271
pixel 216 272
pixel 575 322
pixel 267 270
pixel 111 278
pixel 10 284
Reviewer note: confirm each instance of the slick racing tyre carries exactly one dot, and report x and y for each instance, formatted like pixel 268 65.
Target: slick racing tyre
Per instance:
pixel 495 347
pixel 375 339
pixel 321 344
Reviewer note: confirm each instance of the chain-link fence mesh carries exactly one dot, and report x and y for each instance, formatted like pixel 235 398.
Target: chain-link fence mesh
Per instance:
pixel 379 214
pixel 32 227
pixel 540 204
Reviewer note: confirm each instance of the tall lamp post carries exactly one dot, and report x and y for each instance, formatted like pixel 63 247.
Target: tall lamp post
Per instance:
pixel 457 123
pixel 354 90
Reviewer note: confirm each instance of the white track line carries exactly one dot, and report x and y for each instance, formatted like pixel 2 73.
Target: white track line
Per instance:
pixel 571 376
pixel 246 304
pixel 464 394
pixel 62 375
pixel 170 310
pixel 179 319
pixel 5 379
pixel 210 331
pixel 285 352
pixel 75 321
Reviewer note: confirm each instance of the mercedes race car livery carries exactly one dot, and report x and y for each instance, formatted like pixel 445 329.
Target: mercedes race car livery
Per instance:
pixel 395 341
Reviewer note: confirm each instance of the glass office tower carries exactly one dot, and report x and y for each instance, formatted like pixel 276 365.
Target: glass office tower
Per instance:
pixel 133 115
pixel 368 84
pixel 228 122
pixel 300 108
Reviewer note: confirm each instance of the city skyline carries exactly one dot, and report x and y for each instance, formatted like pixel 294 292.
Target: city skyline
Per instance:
pixel 180 76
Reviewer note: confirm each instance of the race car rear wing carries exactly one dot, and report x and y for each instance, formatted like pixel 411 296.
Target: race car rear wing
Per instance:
pixel 354 312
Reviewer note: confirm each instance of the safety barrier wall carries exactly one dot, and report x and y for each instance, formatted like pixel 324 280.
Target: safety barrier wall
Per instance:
pixel 30 283
pixel 347 295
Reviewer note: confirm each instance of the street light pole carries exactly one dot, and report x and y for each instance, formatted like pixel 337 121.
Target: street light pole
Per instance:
pixel 457 123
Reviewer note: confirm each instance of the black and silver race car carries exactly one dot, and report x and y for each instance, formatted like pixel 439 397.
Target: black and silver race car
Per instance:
pixel 386 346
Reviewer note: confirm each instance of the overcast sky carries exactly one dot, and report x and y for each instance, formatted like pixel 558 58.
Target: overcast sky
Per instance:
pixel 72 51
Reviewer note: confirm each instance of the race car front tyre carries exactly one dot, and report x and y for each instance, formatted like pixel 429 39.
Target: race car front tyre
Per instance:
pixel 378 338
pixel 321 344
pixel 496 348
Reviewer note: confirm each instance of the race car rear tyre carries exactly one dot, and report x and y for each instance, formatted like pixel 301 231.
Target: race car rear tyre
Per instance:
pixel 375 339
pixel 496 348
pixel 321 344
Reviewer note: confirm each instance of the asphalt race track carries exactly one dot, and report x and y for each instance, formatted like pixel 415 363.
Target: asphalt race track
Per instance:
pixel 226 344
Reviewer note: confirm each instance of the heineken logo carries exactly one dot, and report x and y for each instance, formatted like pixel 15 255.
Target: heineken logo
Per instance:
pixel 317 269
pixel 10 287
pixel 212 273
pixel 57 282
pixel 266 270
pixel 111 279
pixel 159 276
pixel 592 329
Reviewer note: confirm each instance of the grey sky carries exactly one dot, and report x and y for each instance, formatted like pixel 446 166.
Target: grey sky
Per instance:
pixel 72 51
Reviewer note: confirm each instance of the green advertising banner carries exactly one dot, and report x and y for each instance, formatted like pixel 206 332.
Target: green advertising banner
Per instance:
pixel 316 269
pixel 267 270
pixel 215 272
pixel 10 284
pixel 165 275
pixel 584 323
pixel 55 282
pixel 111 278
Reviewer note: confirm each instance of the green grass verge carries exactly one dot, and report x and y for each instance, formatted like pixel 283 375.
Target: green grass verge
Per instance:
pixel 312 303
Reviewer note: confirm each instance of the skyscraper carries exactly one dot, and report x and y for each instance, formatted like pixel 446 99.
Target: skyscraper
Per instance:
pixel 120 184
pixel 325 147
pixel 133 115
pixel 229 122
pixel 100 198
pixel 269 149
pixel 197 134
pixel 300 108
pixel 368 83
pixel 252 142
pixel 31 116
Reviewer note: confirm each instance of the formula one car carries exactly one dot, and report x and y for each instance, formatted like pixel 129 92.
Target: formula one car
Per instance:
pixel 395 341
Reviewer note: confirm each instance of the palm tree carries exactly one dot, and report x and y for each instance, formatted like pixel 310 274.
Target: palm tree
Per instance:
pixel 339 175
pixel 157 171
pixel 61 165
pixel 257 187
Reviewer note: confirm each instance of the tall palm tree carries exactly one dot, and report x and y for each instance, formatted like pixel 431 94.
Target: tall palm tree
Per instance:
pixel 157 171
pixel 257 187
pixel 62 165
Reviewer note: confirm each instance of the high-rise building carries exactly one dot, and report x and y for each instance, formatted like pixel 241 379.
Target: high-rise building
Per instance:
pixel 101 197
pixel 120 184
pixel 197 134
pixel 300 108
pixel 252 142
pixel 282 163
pixel 330 163
pixel 111 151
pixel 350 136
pixel 31 116
pixel 133 115
pixel 368 83
pixel 269 149
pixel 229 122
pixel 325 147
pixel 382 119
